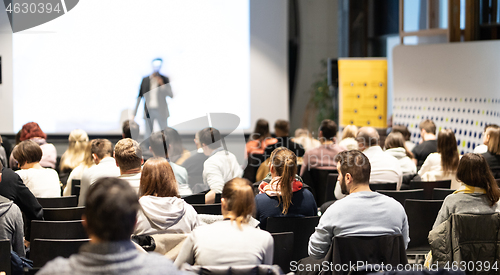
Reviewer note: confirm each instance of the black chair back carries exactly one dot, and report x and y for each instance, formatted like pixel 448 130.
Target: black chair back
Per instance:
pixel 195 199
pixel 441 193
pixel 421 217
pixel 317 180
pixel 75 188
pixel 5 256
pixel 218 197
pixel 383 186
pixel 63 214
pixel 283 250
pixel 331 182
pixel 58 202
pixel 44 250
pixel 212 209
pixel 402 195
pixel 302 228
pixel 253 163
pixel 428 186
pixel 62 230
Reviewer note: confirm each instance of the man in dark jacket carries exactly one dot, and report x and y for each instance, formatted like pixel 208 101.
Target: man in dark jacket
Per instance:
pixel 282 129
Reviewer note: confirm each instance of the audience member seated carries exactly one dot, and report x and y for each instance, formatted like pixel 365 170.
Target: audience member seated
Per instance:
pixel 282 129
pixel 161 147
pixel 478 194
pixel 11 225
pixel 428 144
pixel 77 173
pixel 221 165
pixel 232 241
pixel 349 137
pixel 396 147
pixel 102 152
pixel 130 129
pixel 492 156
pixel 12 188
pixel 260 138
pixel 177 153
pixel 483 148
pixel 443 164
pixel 128 157
pixel 42 182
pixel 162 211
pixel 283 195
pixel 406 135
pixel 194 164
pixel 323 157
pixel 74 156
pixel 3 154
pixel 109 219
pixel 362 212
pixel 304 138
pixel 33 132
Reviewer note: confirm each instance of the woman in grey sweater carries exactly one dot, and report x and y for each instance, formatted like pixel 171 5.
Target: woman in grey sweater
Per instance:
pixel 231 241
pixel 478 195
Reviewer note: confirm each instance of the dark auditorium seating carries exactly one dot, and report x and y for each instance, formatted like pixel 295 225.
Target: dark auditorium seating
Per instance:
pixel 63 214
pixel 383 186
pixel 5 256
pixel 58 202
pixel 283 250
pixel 421 217
pixel 195 198
pixel 331 182
pixel 212 209
pixel 317 180
pixel 57 230
pixel 75 188
pixel 44 250
pixel 254 161
pixel 302 228
pixel 402 195
pixel 428 186
pixel 218 197
pixel 441 193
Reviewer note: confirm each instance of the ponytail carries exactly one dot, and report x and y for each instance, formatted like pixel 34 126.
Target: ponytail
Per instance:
pixel 240 201
pixel 284 162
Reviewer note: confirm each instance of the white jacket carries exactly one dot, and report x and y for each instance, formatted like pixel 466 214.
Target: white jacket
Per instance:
pixel 408 167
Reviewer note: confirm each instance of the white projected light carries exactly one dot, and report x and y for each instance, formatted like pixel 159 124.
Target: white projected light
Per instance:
pixel 84 69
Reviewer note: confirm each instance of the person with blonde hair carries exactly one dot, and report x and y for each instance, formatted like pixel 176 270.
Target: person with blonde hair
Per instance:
pixel 162 209
pixel 349 137
pixel 77 173
pixel 231 241
pixel 304 138
pixel 74 155
pixel 284 194
pixel 492 155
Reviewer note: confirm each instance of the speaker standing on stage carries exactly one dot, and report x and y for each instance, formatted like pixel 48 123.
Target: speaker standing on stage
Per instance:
pixel 155 89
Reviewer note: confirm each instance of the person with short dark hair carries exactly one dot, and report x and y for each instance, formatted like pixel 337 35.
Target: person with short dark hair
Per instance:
pixel 428 144
pixel 362 213
pixel 128 157
pixel 492 155
pixel 109 219
pixel 130 129
pixel 221 165
pixel 194 164
pixel 282 131
pixel 160 146
pixel 102 154
pixel 42 182
pixel 323 157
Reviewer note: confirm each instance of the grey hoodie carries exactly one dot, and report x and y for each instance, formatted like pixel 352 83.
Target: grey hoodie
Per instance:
pixel 165 215
pixel 11 225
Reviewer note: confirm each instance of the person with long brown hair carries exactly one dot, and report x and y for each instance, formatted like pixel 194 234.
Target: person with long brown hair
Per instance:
pixel 479 193
pixel 443 164
pixel 396 147
pixel 260 138
pixel 162 209
pixel 231 241
pixel 492 156
pixel 284 194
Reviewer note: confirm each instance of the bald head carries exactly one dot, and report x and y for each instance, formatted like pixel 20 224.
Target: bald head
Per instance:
pixel 367 137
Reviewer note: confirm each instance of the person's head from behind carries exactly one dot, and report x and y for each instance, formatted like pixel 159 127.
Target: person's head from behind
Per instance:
pixel 261 130
pixel 27 153
pixel 156 64
pixel 159 144
pixel 447 147
pixel 354 169
pixel 283 164
pixel 427 129
pixel 78 141
pixel 281 128
pixel 158 179
pixel 31 130
pixel 493 135
pixel 350 131
pixel 367 137
pixel 238 201
pixel 403 130
pixel 473 170
pixel 128 155
pixel 110 210
pixel 327 130
pixel 396 140
pixel 101 148
pixel 175 144
pixel 210 140
pixel 130 129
